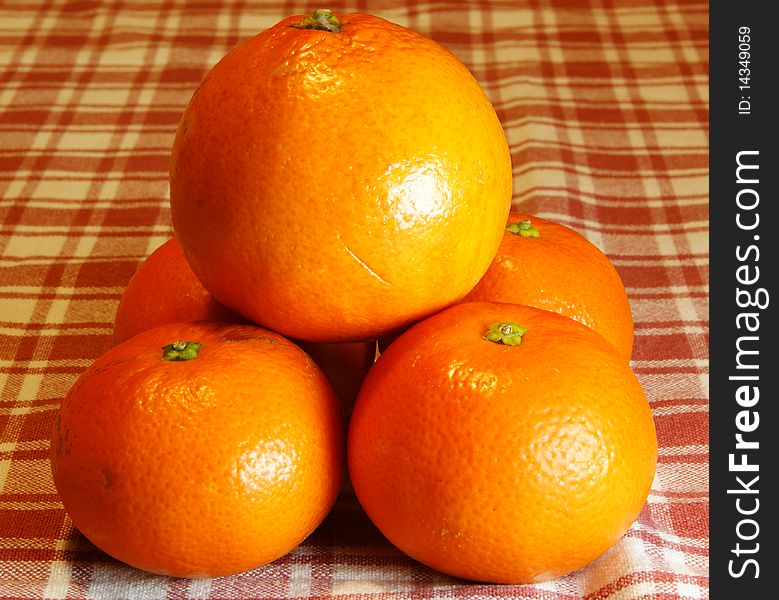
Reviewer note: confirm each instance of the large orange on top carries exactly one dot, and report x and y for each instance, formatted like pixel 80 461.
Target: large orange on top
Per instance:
pixel 338 177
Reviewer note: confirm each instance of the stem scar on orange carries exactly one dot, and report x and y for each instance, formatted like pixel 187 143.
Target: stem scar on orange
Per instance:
pixel 354 175
pixel 548 265
pixel 199 449
pixel 501 443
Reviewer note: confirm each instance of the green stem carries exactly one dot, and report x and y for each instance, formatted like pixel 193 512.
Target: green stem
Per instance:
pixel 506 333
pixel 523 228
pixel 179 350
pixel 322 19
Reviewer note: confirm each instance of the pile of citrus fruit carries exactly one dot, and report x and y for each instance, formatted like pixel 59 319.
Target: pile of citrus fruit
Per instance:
pixel 338 180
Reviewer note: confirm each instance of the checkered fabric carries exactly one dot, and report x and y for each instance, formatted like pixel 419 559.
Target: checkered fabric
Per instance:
pixel 605 106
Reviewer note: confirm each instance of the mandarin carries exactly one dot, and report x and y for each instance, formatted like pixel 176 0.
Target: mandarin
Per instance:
pixel 548 265
pixel 199 449
pixel 165 290
pixel 338 177
pixel 143 306
pixel 500 461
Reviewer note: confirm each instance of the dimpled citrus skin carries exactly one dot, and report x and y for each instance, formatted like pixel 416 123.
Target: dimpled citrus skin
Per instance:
pixel 165 290
pixel 496 463
pixel 562 271
pixel 335 186
pixel 199 468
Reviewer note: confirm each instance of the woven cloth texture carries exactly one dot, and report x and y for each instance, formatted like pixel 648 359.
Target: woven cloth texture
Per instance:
pixel 605 106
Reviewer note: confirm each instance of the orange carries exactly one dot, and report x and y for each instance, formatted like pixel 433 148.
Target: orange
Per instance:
pixel 497 462
pixel 339 185
pixel 165 290
pixel 199 462
pixel 548 265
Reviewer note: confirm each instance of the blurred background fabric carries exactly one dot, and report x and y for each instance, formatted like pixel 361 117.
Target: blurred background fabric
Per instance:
pixel 605 107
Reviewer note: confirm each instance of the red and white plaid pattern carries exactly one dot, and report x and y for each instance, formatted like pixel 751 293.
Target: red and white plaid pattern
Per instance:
pixel 605 107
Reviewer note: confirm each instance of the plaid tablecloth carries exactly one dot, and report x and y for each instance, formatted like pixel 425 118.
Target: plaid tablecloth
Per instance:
pixel 606 110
